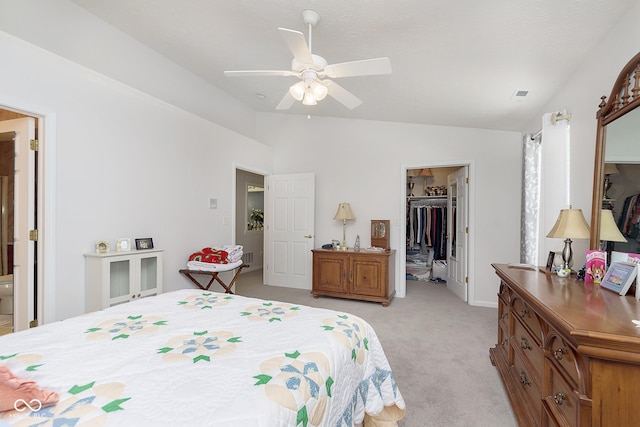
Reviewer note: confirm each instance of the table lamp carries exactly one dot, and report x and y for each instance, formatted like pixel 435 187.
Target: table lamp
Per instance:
pixel 569 225
pixel 344 213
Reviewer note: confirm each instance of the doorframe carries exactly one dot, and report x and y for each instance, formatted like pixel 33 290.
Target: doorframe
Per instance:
pixel 47 306
pixel 401 277
pixel 234 198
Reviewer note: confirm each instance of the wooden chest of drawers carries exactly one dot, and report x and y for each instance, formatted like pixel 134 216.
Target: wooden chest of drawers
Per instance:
pixel 568 354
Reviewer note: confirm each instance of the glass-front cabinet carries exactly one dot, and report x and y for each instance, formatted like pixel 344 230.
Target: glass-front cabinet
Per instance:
pixel 119 277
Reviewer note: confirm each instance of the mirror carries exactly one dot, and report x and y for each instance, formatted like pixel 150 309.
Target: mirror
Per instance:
pixel 616 178
pixel 255 207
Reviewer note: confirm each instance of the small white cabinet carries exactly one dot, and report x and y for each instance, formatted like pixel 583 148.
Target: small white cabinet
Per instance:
pixel 118 277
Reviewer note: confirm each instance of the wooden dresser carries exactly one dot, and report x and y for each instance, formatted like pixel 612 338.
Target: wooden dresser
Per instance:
pixel 363 275
pixel 568 353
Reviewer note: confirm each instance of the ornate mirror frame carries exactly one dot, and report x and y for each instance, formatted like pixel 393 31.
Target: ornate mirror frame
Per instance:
pixel 625 96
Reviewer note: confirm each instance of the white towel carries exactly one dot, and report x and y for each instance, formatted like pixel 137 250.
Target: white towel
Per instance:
pixel 235 252
pixel 209 266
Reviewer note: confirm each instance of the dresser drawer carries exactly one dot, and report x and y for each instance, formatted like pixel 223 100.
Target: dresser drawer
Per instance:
pixel 530 349
pixel 529 387
pixel 565 357
pixel 562 404
pixel 503 340
pixel 523 312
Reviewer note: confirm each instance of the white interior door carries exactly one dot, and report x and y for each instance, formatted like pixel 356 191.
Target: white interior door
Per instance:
pixel 457 232
pixel 289 230
pixel 24 292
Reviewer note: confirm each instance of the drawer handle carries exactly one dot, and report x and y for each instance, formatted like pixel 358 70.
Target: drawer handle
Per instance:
pixel 524 379
pixel 505 341
pixel 523 313
pixel 559 398
pixel 559 353
pixel 524 343
pixel 504 316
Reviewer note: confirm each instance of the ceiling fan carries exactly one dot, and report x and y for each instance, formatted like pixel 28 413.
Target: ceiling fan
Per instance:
pixel 315 73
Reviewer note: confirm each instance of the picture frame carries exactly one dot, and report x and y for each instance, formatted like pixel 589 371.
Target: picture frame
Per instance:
pixel 619 277
pixel 550 258
pixel 144 243
pixel 102 247
pixel 123 244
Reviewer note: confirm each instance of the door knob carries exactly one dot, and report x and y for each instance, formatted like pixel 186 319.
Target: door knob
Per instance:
pixel 308 236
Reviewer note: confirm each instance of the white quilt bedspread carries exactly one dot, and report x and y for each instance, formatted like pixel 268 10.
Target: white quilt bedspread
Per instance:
pixel 202 358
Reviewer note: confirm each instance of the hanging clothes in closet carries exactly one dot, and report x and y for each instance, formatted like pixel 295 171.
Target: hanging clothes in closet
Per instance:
pixel 629 222
pixel 427 225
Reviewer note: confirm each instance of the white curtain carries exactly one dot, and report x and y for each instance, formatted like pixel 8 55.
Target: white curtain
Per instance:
pixel 530 204
pixel 545 188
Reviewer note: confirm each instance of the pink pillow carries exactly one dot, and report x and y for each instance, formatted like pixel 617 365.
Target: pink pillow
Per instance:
pixel 14 392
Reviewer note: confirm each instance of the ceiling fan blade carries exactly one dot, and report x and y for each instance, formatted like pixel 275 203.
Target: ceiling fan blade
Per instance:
pixel 366 67
pixel 297 45
pixel 252 73
pixel 342 95
pixel 286 102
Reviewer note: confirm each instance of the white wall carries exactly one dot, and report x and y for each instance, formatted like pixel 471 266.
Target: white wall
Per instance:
pixel 580 96
pixel 66 29
pixel 126 165
pixel 362 162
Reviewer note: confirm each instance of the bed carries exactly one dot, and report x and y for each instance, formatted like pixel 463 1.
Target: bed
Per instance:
pixel 201 358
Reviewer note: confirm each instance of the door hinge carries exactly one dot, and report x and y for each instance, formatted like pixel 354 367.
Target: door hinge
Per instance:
pixel 34 144
pixel 33 235
pixel 33 323
pixel 466 229
pixel 467 179
pixel 466 279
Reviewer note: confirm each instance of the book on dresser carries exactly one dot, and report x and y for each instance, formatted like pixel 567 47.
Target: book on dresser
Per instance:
pixel 596 266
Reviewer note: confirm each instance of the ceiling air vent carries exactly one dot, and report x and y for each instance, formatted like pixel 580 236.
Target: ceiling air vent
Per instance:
pixel 519 95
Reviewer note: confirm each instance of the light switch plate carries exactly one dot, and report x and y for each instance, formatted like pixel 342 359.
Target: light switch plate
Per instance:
pixel 213 203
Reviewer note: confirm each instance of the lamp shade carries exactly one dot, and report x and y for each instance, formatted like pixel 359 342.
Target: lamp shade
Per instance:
pixel 426 172
pixel 570 224
pixel 344 212
pixel 611 169
pixel 608 229
pixel 414 172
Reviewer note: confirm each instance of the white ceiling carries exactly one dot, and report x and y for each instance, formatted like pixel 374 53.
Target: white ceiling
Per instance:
pixel 455 62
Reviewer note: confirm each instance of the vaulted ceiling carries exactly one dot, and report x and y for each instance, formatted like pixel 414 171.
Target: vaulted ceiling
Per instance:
pixel 454 62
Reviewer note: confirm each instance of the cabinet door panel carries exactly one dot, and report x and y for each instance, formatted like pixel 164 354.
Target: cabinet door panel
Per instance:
pixel 367 274
pixel 148 274
pixel 119 278
pixel 330 273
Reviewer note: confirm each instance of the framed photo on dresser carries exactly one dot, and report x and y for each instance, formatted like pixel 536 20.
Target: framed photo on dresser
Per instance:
pixel 619 277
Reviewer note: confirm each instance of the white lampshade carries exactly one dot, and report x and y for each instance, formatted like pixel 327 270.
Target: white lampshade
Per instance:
pixel 570 224
pixel 608 229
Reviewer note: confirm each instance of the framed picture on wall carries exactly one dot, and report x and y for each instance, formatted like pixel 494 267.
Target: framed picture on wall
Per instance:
pixel 146 243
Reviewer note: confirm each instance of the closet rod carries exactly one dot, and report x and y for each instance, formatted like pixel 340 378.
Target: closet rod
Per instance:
pixel 554 119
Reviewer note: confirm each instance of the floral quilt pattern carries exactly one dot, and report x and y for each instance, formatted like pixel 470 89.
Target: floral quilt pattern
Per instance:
pixel 159 361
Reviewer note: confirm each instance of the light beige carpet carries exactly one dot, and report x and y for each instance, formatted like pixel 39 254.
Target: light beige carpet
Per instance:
pixel 437 345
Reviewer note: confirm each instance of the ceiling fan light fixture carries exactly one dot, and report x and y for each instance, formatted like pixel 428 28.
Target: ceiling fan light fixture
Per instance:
pixel 319 91
pixel 297 91
pixel 309 99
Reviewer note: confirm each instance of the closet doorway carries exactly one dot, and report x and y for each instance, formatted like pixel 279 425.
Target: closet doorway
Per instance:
pixel 436 231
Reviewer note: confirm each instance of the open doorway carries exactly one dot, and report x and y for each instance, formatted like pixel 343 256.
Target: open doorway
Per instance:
pixel 249 217
pixel 436 227
pixel 21 288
